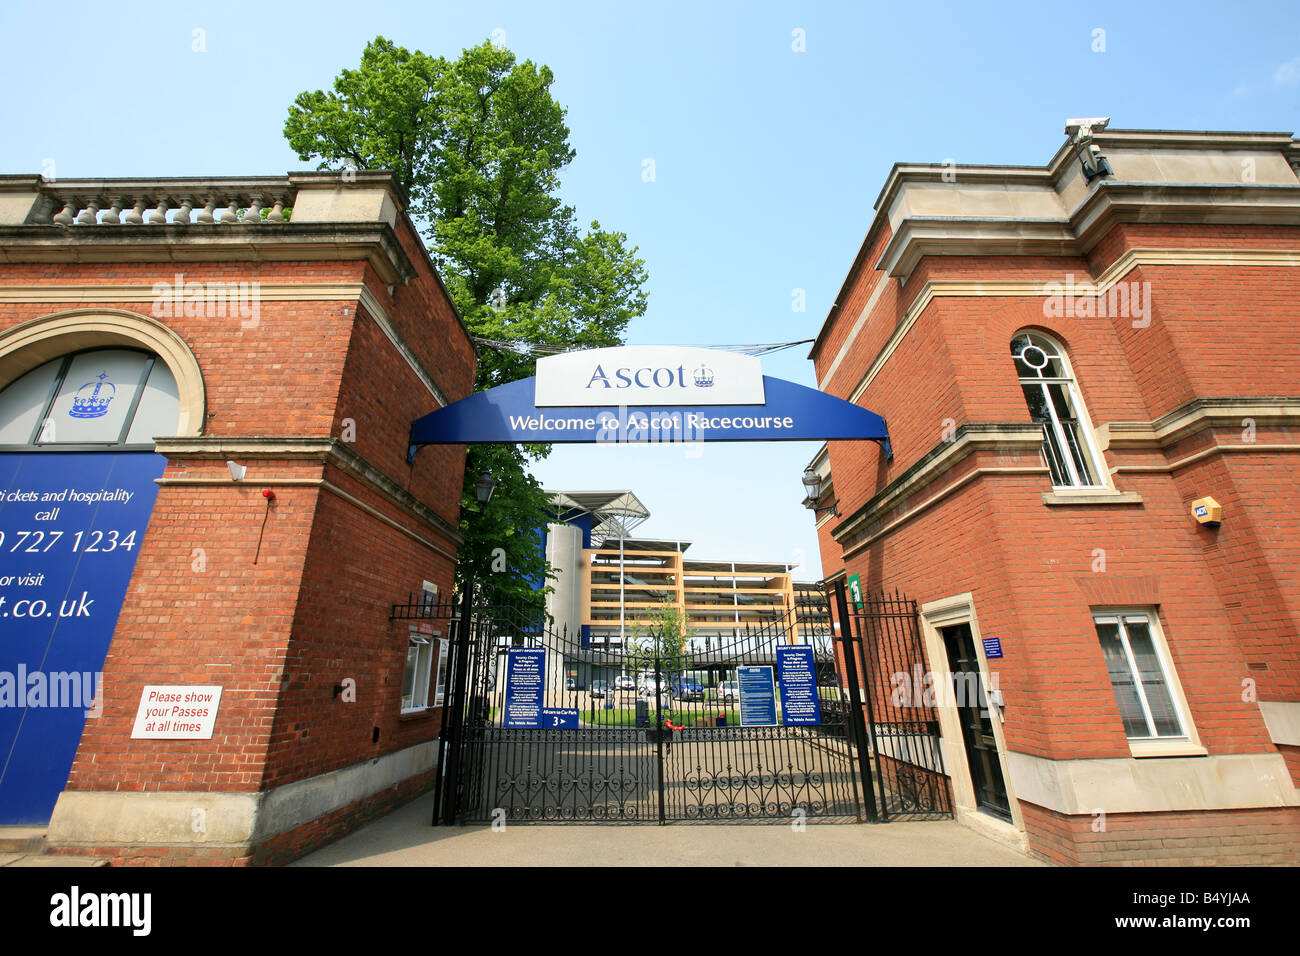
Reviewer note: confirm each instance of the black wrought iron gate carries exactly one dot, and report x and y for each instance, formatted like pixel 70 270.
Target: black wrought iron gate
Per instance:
pixel 649 729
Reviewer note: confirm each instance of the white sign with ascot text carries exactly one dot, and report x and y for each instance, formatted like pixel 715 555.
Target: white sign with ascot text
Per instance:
pixel 663 375
pixel 177 712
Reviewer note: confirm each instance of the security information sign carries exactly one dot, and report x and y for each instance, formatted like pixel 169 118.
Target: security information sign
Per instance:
pixel 177 712
pixel 71 526
pixel 797 673
pixel 649 375
pixel 757 696
pixel 525 678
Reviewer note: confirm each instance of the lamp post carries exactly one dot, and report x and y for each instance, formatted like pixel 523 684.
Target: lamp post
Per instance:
pixel 446 795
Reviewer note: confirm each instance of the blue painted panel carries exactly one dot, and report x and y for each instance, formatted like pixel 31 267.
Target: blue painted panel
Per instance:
pixel 71 525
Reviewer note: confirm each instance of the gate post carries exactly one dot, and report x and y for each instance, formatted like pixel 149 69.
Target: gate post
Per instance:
pixel 855 699
pixel 658 722
pixel 452 718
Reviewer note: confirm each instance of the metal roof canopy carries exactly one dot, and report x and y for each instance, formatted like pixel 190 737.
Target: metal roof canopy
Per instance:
pixel 615 513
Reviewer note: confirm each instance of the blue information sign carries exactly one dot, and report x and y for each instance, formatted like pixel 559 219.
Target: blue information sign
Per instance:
pixel 797 673
pixel 757 696
pixel 992 647
pixel 553 717
pixel 525 678
pixel 71 526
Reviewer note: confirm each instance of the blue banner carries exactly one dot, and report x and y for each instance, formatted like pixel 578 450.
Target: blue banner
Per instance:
pixel 507 413
pixel 757 696
pixel 71 525
pixel 525 678
pixel 797 672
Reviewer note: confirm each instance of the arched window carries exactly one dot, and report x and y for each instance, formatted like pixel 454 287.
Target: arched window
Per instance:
pixel 1054 402
pixel 101 398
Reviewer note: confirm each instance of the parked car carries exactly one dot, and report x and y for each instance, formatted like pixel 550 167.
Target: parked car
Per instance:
pixel 647 686
pixel 729 690
pixel 570 684
pixel 599 688
pixel 684 689
pixel 625 683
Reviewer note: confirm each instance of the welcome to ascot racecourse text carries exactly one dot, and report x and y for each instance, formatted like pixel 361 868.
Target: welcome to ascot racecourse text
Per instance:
pixel 654 425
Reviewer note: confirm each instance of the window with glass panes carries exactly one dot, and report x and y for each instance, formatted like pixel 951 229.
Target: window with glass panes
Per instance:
pixel 1138 676
pixel 415 681
pixel 101 398
pixel 1054 403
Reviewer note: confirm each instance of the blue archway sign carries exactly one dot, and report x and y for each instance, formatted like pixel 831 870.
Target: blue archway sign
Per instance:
pixel 641 394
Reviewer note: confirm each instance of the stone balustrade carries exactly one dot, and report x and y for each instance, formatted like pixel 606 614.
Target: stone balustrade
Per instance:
pixel 318 197
pixel 357 213
pixel 175 202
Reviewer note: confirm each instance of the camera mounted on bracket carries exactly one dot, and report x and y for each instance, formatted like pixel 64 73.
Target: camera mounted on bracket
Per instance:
pixel 1092 163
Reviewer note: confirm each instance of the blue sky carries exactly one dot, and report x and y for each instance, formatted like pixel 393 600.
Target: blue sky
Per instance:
pixel 767 161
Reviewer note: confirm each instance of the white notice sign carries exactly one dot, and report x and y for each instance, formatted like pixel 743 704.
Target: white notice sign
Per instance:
pixel 177 712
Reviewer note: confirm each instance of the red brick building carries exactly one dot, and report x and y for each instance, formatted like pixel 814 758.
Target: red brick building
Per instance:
pixel 1069 358
pixel 272 339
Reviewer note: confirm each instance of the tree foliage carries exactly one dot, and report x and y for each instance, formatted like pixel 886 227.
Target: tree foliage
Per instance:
pixel 662 642
pixel 478 144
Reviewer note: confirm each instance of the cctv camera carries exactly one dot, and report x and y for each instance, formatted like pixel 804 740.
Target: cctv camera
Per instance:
pixel 1088 123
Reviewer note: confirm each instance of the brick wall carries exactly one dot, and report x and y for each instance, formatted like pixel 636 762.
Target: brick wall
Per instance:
pixel 280 623
pixel 1228 600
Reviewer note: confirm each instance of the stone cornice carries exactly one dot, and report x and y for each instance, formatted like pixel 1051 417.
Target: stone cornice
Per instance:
pixel 1198 415
pixel 967 440
pixel 373 242
pixel 1107 204
pixel 1217 203
pixel 330 451
pixel 920 236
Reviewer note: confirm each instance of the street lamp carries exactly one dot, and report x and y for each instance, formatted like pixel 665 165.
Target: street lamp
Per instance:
pixel 812 483
pixel 484 487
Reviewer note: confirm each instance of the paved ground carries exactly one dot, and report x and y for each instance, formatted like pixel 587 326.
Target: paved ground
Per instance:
pixel 405 838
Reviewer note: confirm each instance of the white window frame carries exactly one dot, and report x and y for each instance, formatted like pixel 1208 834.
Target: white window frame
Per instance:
pixel 1186 743
pixel 1069 383
pixel 418 699
pixel 440 683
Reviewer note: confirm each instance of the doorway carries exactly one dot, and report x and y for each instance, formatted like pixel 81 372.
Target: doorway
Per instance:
pixel 975 718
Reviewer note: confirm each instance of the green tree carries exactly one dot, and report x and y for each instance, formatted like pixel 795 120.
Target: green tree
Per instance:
pixel 663 641
pixel 478 144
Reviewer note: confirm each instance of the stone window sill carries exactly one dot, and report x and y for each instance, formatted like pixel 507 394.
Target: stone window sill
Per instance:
pixel 1091 496
pixel 417 714
pixel 1166 748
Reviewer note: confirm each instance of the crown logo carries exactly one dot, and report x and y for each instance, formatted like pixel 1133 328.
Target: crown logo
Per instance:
pixel 93 403
pixel 704 377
